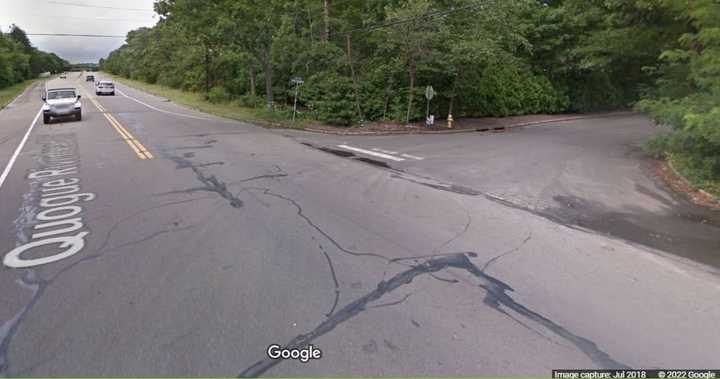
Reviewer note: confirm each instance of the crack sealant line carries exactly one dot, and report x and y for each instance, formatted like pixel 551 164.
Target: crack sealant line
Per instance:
pixel 495 297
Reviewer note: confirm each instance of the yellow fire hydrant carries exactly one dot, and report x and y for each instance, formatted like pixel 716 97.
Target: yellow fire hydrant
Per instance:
pixel 450 121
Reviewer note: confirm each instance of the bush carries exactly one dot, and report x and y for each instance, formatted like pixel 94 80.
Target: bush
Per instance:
pixel 658 145
pixel 695 139
pixel 251 101
pixel 218 94
pixel 330 97
pixel 507 90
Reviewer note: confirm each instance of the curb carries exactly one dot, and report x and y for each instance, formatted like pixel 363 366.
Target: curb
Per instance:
pixel 472 130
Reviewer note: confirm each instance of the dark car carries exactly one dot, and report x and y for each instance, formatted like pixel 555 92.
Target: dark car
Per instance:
pixel 90 78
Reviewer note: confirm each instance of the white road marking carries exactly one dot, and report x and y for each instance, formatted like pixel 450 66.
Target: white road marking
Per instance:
pixel 412 156
pixel 11 162
pixel 370 152
pixel 162 110
pixel 384 151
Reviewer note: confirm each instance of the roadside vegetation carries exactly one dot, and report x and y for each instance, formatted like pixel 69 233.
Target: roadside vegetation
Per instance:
pixel 371 61
pixel 20 61
pixel 228 109
pixel 7 94
pixel 686 94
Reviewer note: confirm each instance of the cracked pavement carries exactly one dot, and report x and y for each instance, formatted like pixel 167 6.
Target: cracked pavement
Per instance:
pixel 234 237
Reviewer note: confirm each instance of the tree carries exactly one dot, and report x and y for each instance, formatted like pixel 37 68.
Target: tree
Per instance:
pixel 20 37
pixel 414 39
pixel 690 63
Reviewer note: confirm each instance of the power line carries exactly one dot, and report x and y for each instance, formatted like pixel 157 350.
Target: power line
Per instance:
pixel 74 35
pixel 407 20
pixel 106 19
pixel 100 6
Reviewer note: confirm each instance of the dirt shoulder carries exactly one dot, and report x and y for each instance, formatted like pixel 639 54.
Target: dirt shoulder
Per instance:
pixel 665 171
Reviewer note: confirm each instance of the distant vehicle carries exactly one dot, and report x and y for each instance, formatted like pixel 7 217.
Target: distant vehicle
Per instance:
pixel 63 76
pixel 61 102
pixel 105 87
pixel 90 78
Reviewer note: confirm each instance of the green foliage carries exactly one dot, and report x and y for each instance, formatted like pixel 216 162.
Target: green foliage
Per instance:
pixel 329 97
pixel 218 94
pixel 250 101
pixel 247 47
pixel 20 61
pixel 687 96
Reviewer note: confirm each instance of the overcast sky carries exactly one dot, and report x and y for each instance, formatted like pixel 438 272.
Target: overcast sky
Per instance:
pixel 107 17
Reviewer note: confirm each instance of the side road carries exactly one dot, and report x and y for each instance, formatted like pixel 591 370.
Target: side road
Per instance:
pixel 590 173
pixel 463 125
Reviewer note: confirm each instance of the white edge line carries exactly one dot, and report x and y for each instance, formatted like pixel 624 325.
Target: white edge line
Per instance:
pixel 161 110
pixel 11 162
pixel 369 152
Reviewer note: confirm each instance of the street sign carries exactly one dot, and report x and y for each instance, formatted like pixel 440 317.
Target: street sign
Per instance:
pixel 297 80
pixel 429 92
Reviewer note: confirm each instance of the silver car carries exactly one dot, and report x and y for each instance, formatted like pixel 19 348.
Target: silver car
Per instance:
pixel 61 102
pixel 105 87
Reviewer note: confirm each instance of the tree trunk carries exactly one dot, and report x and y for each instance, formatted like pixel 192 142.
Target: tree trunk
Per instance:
pixel 207 71
pixel 326 14
pixel 267 69
pixel 387 97
pixel 410 92
pixel 385 107
pixel 453 93
pixel 310 24
pixel 251 74
pixel 354 79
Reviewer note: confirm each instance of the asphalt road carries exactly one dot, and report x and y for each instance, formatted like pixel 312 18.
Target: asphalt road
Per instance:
pixel 159 241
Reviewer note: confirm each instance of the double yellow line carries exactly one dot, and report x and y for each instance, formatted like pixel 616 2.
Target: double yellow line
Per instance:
pixel 133 142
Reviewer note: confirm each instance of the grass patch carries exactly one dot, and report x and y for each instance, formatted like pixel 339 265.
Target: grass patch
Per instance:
pixel 231 109
pixel 711 186
pixel 9 93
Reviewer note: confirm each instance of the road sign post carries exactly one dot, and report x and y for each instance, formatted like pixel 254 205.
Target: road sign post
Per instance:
pixel 429 94
pixel 298 81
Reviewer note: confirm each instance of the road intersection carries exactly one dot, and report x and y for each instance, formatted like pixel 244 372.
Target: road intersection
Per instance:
pixel 209 240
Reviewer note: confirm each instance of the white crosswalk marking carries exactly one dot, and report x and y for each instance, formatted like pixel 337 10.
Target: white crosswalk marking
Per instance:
pixel 372 153
pixel 384 151
pixel 412 157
